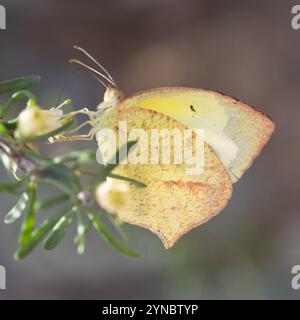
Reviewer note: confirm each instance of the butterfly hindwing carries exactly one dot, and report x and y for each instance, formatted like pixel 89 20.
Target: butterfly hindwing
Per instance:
pixel 172 203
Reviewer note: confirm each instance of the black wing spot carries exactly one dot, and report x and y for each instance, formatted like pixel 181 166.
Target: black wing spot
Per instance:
pixel 192 108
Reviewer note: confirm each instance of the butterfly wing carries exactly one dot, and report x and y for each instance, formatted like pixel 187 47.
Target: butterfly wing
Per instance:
pixel 173 202
pixel 235 131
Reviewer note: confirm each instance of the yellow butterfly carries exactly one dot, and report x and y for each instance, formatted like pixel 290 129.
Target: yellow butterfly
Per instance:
pixel 173 202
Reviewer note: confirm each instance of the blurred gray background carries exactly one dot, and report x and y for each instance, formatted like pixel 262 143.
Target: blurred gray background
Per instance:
pixel 246 49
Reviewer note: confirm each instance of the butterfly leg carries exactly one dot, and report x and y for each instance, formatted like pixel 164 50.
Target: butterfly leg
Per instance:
pixel 61 138
pixel 89 136
pixel 80 126
pixel 81 111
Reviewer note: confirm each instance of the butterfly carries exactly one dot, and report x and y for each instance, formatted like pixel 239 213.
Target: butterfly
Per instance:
pixel 173 202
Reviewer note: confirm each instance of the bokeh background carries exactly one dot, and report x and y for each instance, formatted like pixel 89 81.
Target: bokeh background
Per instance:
pixel 246 49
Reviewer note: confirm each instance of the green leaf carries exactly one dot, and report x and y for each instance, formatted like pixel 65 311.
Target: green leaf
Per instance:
pixel 59 231
pixel 29 222
pixel 20 83
pixel 80 239
pixel 16 212
pixel 101 228
pixel 80 157
pixel 62 172
pixel 62 176
pixel 3 130
pixel 39 158
pixel 45 136
pixel 49 203
pixel 132 181
pixel 8 164
pixel 17 96
pixel 120 155
pixel 11 187
pixel 59 185
pixel 118 224
pixel 38 234
pixel 10 125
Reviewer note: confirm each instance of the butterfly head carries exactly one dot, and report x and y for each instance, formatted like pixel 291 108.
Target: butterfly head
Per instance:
pixel 111 98
pixel 112 95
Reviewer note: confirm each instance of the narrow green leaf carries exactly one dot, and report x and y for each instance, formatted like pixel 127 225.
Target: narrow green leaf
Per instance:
pixel 118 224
pixel 16 97
pixel 120 155
pixel 3 130
pixel 8 164
pixel 49 203
pixel 11 187
pixel 29 222
pixel 61 173
pixel 101 228
pixel 132 181
pixel 38 234
pixel 58 232
pixel 82 229
pixel 20 83
pixel 80 239
pixel 16 212
pixel 39 158
pixel 10 125
pixel 80 157
pixel 63 186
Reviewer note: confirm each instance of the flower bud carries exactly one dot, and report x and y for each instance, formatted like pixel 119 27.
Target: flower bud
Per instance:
pixel 34 121
pixel 112 195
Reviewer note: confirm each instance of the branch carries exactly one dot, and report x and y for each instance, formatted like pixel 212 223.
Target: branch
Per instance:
pixel 25 164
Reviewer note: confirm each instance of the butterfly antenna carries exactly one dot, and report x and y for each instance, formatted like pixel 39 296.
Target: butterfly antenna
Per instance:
pixel 65 85
pixel 98 79
pixel 93 70
pixel 97 63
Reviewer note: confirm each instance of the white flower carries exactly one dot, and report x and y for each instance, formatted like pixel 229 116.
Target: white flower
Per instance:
pixel 34 121
pixel 112 195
